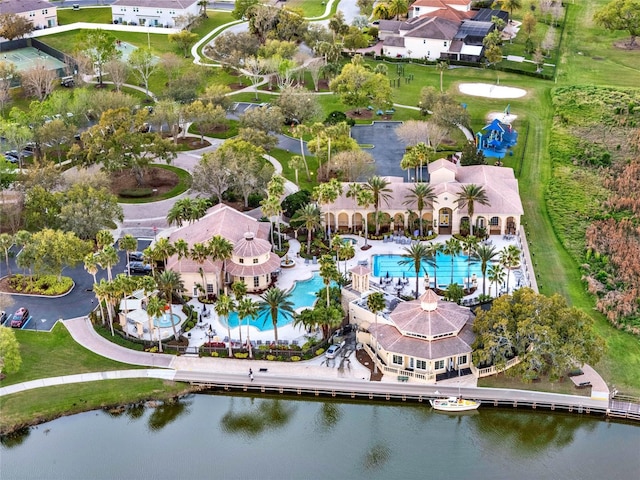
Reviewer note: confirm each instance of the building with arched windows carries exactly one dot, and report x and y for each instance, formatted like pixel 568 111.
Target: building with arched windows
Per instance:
pixel 500 217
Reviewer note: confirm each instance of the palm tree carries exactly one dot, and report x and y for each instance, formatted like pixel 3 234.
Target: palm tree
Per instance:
pixel 509 5
pixel 441 67
pixel 203 7
pixel 414 255
pixel 422 195
pixel 6 241
pixel 364 198
pixel 224 306
pixel 329 272
pixel 379 188
pixel 432 259
pixel 247 309
pixel 107 258
pixel 469 243
pixel 296 162
pixel 381 11
pixel 496 275
pixel 398 7
pixel 129 244
pixel 100 291
pixel 239 290
pixel 452 248
pixel 375 304
pixel 468 196
pixel 274 302
pixel 155 309
pixel 485 253
pixel 182 250
pixel 310 217
pixel 327 193
pixel 103 292
pixel 345 252
pixel 170 282
pixel 327 318
pixel 220 249
pixel 199 253
pixel 163 249
pixel 509 258
pixel 104 238
pixel 126 285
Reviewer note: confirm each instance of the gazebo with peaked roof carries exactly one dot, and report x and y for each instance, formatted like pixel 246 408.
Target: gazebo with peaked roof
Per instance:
pixel 421 338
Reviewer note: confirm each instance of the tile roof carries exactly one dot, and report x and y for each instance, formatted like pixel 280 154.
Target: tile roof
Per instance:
pixel 254 269
pixel 392 340
pixel 249 246
pixel 22 6
pixel 430 27
pixel 447 318
pixel 360 270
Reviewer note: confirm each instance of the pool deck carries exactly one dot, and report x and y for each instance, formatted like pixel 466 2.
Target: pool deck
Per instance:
pixel 304 271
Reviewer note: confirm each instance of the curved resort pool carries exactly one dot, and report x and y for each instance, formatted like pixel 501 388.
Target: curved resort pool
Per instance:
pixel 302 295
pixel 166 320
pixel 389 266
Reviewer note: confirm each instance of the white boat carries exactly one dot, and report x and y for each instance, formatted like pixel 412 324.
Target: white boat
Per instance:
pixel 454 404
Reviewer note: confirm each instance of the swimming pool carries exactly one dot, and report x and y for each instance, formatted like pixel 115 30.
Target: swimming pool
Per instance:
pixel 388 265
pixel 166 320
pixel 302 295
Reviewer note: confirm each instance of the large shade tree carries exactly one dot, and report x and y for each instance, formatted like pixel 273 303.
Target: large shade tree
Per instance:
pixel 548 336
pixel 620 15
pixel 359 87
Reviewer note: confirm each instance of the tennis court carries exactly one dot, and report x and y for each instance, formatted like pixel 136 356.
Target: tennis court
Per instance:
pixel 29 57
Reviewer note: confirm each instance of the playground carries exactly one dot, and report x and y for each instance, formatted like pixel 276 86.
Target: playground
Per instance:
pixel 498 137
pixel 29 57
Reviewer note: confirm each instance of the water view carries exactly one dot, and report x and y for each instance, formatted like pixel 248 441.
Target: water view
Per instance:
pixel 207 436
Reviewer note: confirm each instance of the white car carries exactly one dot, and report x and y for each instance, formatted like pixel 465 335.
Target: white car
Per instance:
pixel 333 351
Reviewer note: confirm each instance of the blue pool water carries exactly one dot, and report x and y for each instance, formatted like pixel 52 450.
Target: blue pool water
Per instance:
pixel 302 295
pixel 166 320
pixel 383 264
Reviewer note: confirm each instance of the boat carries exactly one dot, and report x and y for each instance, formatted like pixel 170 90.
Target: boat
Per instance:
pixel 453 404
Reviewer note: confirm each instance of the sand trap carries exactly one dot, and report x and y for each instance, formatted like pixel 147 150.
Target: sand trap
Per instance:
pixel 491 91
pixel 503 117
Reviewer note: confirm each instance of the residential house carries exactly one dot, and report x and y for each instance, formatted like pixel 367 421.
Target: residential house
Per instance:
pixel 252 260
pixel 155 13
pixel 42 14
pixel 500 217
pixel 421 37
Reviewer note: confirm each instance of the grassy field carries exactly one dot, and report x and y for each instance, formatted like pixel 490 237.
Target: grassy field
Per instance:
pixel 54 354
pixel 44 404
pixel 67 16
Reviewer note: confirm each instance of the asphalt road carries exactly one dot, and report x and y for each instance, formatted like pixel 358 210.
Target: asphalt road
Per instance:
pixel 45 311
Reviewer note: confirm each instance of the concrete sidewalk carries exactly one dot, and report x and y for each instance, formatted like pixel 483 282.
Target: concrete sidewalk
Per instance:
pixel 87 377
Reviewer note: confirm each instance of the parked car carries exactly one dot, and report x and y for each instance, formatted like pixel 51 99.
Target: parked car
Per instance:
pixel 3 317
pixel 333 351
pixel 19 318
pixel 139 267
pixel 136 256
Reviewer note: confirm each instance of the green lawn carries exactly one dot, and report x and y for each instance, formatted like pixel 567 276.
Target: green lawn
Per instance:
pixel 312 162
pixel 67 16
pixel 44 404
pixel 54 354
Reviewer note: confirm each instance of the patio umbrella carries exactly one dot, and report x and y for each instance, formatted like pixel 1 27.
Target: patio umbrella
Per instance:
pixel 387 273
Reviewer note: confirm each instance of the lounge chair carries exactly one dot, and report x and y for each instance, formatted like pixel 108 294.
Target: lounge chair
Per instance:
pixel 315 260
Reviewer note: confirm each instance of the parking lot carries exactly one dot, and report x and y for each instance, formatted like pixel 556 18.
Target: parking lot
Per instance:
pixel 45 311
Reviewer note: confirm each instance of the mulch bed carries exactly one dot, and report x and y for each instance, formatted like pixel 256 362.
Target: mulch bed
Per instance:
pixel 365 360
pixel 159 178
pixel 193 143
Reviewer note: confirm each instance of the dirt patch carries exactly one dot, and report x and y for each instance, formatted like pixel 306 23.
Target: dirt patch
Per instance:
pixel 365 360
pixel 236 86
pixel 362 114
pixel 193 142
pixel 157 178
pixel 624 45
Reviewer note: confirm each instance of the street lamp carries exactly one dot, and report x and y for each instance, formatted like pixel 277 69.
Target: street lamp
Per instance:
pixel 155 233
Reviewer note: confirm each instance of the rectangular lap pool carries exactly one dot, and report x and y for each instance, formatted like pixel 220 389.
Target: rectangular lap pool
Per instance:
pixel 389 266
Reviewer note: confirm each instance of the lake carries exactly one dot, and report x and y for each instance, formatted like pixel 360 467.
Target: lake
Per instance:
pixel 211 436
